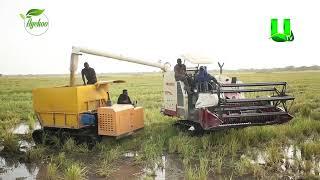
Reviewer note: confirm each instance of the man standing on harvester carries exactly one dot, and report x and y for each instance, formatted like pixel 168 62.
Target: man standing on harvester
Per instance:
pixel 89 73
pixel 180 74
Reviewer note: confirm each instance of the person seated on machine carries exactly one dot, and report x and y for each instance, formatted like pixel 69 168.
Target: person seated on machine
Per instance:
pixel 203 79
pixel 124 98
pixel 181 75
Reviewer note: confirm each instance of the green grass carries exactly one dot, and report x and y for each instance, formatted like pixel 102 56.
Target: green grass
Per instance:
pixel 75 171
pixel 246 167
pixel 61 160
pixel 274 153
pixel 69 146
pixel 220 151
pixel 197 172
pixel 52 172
pixel 105 168
pixel 310 149
pixel 35 154
pixel 10 143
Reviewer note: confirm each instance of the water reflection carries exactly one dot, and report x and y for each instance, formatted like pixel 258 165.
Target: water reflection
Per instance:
pixel 11 169
pixel 170 166
pixel 24 128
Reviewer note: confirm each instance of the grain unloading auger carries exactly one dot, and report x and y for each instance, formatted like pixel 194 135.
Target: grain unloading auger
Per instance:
pixel 86 112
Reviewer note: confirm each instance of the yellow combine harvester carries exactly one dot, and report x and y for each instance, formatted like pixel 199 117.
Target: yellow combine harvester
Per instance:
pixel 83 112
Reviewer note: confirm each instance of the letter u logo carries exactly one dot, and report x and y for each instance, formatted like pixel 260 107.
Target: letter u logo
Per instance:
pixel 287 34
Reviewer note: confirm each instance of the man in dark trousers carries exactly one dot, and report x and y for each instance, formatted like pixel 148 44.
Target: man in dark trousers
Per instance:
pixel 124 98
pixel 89 73
pixel 180 74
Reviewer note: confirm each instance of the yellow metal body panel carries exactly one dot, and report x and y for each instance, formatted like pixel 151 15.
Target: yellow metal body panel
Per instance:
pixel 138 118
pixel 61 106
pixel 119 119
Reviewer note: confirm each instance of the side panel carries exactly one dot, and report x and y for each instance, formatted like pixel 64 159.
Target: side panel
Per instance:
pixel 61 106
pixel 182 103
pixel 60 120
pixel 54 119
pixel 118 119
pixel 123 124
pixel 46 119
pixel 106 121
pixel 89 97
pixel 169 94
pixel 138 119
pixel 72 120
pixel 58 99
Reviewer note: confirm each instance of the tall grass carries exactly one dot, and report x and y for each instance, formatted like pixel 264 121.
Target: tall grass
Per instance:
pixel 247 167
pixel 61 160
pixel 35 154
pixel 105 168
pixel 198 172
pixel 69 146
pixel 274 153
pixel 75 171
pixel 217 163
pixel 52 172
pixel 310 150
pixel 10 143
pixel 203 168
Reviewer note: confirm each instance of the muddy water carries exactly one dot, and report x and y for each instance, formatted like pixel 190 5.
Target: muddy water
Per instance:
pixel 170 168
pixel 10 169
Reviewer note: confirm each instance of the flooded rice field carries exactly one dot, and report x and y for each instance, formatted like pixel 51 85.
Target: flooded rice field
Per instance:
pixel 292 162
pixel 171 168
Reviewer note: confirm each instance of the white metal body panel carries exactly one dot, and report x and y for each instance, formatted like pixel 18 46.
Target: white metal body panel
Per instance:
pixel 169 91
pixel 207 100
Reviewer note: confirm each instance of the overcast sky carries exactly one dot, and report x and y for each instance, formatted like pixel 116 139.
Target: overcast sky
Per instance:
pixel 235 32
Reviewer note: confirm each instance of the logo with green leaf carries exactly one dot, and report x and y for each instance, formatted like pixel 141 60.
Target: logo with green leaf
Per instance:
pixel 287 34
pixel 35 22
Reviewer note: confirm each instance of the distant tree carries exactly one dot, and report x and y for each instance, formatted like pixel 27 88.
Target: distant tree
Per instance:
pixel 289 67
